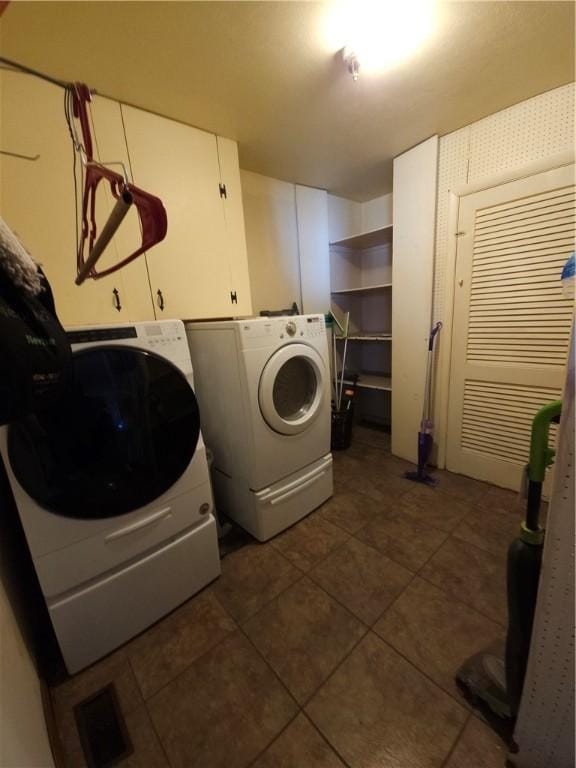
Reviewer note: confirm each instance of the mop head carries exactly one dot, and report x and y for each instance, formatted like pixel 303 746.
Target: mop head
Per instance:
pixel 421 476
pixel 482 679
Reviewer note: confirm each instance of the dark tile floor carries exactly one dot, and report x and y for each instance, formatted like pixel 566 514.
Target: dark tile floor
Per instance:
pixel 335 644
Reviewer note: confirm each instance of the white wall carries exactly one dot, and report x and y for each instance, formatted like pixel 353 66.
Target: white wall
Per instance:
pixel 23 737
pixel 313 253
pixel 287 243
pixel 344 218
pixel 415 179
pixel 347 218
pixel 532 130
pixel 271 241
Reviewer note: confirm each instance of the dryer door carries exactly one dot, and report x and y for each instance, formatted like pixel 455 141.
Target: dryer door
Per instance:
pixel 291 390
pixel 124 434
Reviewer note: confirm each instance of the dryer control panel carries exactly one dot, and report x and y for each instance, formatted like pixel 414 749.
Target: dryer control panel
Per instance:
pixel 256 333
pixel 315 326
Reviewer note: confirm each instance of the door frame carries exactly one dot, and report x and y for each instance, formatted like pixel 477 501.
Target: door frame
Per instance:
pixel 441 406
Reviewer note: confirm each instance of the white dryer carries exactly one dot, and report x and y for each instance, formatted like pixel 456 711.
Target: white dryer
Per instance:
pixel 113 490
pixel 263 386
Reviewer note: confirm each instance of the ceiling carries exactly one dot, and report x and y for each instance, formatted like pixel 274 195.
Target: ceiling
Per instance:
pixel 259 73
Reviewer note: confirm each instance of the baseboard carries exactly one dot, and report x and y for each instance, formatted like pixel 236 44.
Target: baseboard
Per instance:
pixel 51 727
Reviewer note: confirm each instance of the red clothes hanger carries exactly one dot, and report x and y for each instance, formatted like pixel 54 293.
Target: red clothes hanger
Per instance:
pixel 151 211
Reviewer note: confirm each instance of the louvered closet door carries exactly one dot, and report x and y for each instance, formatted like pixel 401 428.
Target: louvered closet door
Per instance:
pixel 511 322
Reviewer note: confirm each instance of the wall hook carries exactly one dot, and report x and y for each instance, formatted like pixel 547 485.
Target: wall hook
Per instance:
pixel 21 157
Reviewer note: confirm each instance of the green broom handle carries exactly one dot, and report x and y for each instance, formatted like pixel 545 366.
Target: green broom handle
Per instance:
pixel 541 456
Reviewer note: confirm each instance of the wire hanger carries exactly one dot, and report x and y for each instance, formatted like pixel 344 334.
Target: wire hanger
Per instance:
pixel 33 158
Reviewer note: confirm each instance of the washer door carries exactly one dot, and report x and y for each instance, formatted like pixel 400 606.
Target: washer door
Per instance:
pixel 122 436
pixel 291 389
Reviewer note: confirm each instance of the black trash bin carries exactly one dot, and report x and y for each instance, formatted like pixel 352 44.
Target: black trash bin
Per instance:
pixel 342 419
pixel 341 429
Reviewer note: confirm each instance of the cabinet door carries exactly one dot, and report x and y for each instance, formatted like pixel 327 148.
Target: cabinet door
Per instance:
pixel 110 146
pixel 189 270
pixel 235 232
pixel 272 240
pixel 38 197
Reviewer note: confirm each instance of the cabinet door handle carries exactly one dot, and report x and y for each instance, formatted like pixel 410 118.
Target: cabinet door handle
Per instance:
pixel 116 299
pixel 160 299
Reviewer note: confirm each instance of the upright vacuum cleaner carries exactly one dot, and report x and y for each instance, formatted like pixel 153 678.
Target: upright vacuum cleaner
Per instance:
pixel 425 439
pixel 487 678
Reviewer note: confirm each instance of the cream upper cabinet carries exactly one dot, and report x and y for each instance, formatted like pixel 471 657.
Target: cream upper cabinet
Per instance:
pixel 135 298
pixel 235 230
pixel 193 271
pixel 200 270
pixel 38 198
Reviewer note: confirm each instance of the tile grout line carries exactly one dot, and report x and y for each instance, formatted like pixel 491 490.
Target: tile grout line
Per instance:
pixel 393 603
pixel 461 602
pixel 456 742
pixel 274 739
pixel 372 546
pixel 364 626
pixel 331 746
pixel 187 667
pixel 150 718
pixel 240 630
pixel 315 691
pixel 324 557
pixel 237 626
pixel 333 672
pixel 461 702
pixel 259 653
pixel 355 616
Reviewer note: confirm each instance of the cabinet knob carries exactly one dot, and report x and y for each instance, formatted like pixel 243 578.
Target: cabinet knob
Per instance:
pixel 160 299
pixel 116 300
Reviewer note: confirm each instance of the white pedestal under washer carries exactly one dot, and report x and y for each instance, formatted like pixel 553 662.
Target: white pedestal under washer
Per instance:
pixel 113 490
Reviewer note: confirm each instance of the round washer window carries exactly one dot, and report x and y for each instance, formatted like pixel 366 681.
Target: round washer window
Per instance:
pixel 294 389
pixel 122 436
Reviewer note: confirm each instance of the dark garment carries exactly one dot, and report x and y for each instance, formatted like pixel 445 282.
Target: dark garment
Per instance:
pixel 35 353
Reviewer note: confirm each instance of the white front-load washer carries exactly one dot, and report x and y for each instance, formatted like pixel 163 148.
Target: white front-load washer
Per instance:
pixel 263 385
pixel 113 490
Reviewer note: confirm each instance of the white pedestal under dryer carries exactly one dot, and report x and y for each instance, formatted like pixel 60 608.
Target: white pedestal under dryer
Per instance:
pixel 113 490
pixel 263 386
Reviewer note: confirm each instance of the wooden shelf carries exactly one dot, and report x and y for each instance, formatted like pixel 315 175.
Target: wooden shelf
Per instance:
pixel 368 336
pixel 373 381
pixel 367 239
pixel 363 289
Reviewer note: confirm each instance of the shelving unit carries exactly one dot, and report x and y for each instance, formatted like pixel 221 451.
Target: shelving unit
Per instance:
pixel 361 284
pixel 369 336
pixel 361 242
pixel 362 289
pixel 373 381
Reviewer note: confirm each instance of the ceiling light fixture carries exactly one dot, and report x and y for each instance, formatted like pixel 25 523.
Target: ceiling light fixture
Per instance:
pixel 377 34
pixel 351 61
